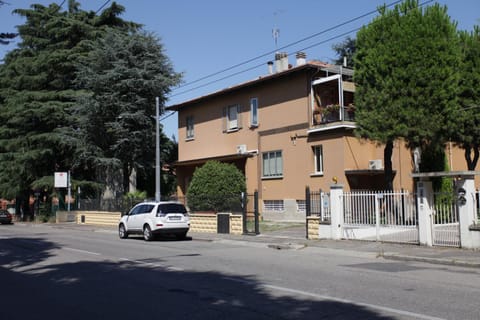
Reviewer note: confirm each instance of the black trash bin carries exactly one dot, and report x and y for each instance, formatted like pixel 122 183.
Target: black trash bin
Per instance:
pixel 223 222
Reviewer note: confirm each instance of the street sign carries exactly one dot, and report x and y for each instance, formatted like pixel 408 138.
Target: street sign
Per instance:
pixel 61 180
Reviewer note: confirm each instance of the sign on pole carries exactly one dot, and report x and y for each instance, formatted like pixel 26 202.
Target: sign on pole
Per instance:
pixel 61 180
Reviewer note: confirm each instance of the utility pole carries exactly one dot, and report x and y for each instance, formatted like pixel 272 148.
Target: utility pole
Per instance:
pixel 157 149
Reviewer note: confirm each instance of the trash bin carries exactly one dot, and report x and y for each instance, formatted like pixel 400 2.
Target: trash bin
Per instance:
pixel 223 222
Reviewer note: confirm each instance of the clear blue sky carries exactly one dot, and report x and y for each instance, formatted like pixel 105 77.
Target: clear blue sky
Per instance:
pixel 204 37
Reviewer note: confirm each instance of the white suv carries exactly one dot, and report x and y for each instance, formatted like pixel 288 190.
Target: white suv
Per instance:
pixel 152 218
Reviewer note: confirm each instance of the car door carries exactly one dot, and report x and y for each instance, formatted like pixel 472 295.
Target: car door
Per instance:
pixel 132 220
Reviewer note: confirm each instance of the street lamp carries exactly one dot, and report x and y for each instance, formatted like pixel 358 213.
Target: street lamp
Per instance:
pixel 157 149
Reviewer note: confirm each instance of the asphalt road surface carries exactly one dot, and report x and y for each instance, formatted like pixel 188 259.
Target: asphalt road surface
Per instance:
pixel 61 273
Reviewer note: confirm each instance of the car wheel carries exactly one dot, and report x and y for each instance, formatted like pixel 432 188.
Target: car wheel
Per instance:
pixel 122 233
pixel 147 233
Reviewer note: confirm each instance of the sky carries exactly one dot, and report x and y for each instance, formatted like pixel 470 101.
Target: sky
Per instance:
pixel 220 43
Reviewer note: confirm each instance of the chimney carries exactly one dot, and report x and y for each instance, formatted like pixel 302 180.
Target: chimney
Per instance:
pixel 284 61
pixel 301 58
pixel 278 62
pixel 270 67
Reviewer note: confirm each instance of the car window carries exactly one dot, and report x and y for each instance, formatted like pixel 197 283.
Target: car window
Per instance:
pixel 171 208
pixel 134 210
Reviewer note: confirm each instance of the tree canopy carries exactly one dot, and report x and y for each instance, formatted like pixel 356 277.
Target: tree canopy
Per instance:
pixel 41 93
pixel 121 75
pixel 407 71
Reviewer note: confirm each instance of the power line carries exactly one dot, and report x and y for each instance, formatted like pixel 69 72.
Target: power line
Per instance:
pixel 103 5
pixel 286 46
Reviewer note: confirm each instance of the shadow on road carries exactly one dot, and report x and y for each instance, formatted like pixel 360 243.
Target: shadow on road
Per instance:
pixel 34 288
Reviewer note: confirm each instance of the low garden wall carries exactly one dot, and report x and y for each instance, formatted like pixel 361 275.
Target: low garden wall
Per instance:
pixel 199 222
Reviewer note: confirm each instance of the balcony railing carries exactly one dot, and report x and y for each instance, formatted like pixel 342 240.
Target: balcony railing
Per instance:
pixel 333 114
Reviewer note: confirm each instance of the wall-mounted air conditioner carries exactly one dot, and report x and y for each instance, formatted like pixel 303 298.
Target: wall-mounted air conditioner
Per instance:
pixel 242 148
pixel 375 164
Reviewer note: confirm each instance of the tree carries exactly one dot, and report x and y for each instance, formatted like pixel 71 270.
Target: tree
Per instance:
pixel 6 36
pixel 345 49
pixel 407 74
pixel 216 186
pixel 122 75
pixel 467 134
pixel 36 90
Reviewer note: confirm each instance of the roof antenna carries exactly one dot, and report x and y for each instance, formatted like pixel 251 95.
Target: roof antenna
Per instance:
pixel 275 30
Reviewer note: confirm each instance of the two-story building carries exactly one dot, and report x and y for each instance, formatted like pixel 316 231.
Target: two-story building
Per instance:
pixel 286 130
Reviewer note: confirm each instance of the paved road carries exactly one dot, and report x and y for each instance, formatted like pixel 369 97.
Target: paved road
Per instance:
pixel 54 273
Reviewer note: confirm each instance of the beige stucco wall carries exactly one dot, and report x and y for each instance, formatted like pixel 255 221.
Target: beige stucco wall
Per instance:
pixel 285 117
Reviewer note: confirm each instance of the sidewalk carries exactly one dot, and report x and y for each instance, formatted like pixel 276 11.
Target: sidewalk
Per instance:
pixel 291 239
pixel 283 240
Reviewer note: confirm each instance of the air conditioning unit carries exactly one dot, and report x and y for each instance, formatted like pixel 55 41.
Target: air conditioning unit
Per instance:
pixel 242 148
pixel 375 164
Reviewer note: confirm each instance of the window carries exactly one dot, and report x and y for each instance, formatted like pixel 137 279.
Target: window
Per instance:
pixel 301 206
pixel 318 159
pixel 254 112
pixel 273 205
pixel 232 118
pixel 272 164
pixel 190 130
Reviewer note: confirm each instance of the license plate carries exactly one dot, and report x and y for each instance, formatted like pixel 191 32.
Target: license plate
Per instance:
pixel 175 218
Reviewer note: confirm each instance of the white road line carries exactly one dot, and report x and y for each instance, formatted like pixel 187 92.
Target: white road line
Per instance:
pixel 330 298
pixel 367 305
pixel 82 251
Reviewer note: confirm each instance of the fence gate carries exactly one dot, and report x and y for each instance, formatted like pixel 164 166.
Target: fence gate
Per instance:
pixel 445 223
pixel 251 219
pixel 389 216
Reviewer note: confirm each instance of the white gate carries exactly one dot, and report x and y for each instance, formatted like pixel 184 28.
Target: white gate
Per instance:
pixel 445 223
pixel 380 216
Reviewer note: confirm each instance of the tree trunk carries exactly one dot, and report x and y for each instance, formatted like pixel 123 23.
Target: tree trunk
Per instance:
pixel 471 162
pixel 387 159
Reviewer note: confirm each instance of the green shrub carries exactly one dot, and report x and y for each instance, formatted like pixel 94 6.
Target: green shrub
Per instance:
pixel 216 186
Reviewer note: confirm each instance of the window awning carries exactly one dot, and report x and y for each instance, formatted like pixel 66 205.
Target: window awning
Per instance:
pixel 223 158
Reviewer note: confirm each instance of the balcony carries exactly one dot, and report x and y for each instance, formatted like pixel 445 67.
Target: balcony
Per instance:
pixel 333 113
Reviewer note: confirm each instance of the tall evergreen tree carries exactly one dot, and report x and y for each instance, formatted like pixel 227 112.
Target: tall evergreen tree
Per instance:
pixel 345 50
pixel 467 133
pixel 123 74
pixel 5 37
pixel 407 74
pixel 36 90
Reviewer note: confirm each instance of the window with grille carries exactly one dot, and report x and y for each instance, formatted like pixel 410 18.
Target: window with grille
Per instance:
pixel 273 205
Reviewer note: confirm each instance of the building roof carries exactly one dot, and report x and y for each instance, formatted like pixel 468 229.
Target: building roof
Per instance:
pixel 315 65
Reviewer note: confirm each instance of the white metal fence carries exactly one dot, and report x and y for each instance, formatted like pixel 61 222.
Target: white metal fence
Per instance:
pixel 381 215
pixel 446 226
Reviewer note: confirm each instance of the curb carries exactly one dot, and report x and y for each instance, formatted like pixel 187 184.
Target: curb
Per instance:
pixel 440 261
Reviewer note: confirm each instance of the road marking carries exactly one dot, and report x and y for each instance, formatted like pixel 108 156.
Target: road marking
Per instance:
pixel 82 251
pixel 367 305
pixel 330 298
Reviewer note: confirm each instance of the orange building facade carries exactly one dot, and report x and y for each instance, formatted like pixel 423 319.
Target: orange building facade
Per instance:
pixel 289 129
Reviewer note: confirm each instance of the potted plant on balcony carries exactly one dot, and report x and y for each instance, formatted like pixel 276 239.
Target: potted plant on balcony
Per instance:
pixel 331 112
pixel 351 111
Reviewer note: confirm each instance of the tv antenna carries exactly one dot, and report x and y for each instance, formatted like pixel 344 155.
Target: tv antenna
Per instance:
pixel 275 30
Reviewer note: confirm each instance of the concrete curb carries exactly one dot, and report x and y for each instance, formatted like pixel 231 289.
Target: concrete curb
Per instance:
pixel 440 261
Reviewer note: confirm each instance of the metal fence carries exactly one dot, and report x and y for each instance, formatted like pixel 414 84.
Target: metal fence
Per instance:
pixel 446 225
pixel 380 215
pixel 317 203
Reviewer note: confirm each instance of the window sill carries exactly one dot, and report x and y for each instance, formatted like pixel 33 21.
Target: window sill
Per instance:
pixel 272 178
pixel 316 174
pixel 189 139
pixel 232 130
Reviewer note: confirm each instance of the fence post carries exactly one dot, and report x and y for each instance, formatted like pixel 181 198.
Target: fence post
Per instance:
pixel 244 212
pixel 424 209
pixel 308 209
pixel 257 216
pixel 336 207
pixel 465 193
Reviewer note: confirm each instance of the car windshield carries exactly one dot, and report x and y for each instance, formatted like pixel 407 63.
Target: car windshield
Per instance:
pixel 171 208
